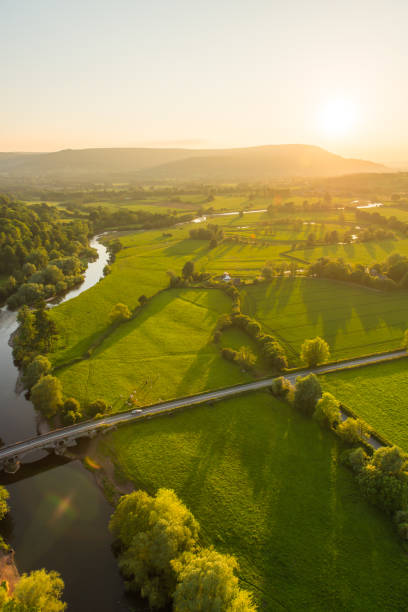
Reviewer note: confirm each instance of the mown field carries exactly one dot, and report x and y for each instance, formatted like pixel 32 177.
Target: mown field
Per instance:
pixel 353 320
pixel 378 394
pixel 267 485
pixel 165 352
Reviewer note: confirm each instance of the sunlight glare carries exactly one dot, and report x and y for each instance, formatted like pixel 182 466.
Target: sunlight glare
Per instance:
pixel 338 117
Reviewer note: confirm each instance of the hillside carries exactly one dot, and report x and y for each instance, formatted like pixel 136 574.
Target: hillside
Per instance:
pixel 245 164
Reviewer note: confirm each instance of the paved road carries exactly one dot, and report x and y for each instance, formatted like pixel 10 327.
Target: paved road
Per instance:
pixel 83 429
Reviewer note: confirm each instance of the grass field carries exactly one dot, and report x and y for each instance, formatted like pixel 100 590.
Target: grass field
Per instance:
pixel 352 319
pixel 377 393
pixel 164 352
pixel 363 252
pixel 267 485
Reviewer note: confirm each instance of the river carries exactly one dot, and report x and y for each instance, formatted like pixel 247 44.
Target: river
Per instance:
pixel 59 517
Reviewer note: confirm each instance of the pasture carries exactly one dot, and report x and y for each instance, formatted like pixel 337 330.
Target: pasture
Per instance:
pixel 267 485
pixel 378 394
pixel 360 252
pixel 354 320
pixel 165 352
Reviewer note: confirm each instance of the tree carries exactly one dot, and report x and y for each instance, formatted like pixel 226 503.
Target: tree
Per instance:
pixel 142 300
pixel 307 392
pixel 119 313
pixel 390 459
pixel 4 508
pixel 314 351
pixel 152 531
pixel 40 366
pixel 45 327
pixel 46 395
pixel 327 411
pixel 98 406
pixel 353 430
pixel 188 269
pixel 207 583
pixel 267 273
pixel 38 591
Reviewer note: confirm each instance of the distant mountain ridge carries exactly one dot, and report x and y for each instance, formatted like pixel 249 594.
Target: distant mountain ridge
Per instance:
pixel 212 165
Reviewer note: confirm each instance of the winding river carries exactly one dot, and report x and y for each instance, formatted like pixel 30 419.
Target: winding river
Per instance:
pixel 59 517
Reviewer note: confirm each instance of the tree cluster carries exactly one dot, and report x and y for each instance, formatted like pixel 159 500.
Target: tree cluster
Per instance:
pixel 338 269
pixel 41 255
pixel 38 591
pixel 160 557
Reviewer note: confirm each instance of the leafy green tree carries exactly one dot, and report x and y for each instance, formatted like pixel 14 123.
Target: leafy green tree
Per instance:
pixel 98 406
pixel 142 300
pixel 327 411
pixel 206 582
pixel 355 458
pixel 307 393
pixel 40 366
pixel 46 395
pixel 46 329
pixel 314 351
pixel 353 431
pixel 390 459
pixel 39 591
pixel 267 273
pixel 282 387
pixel 119 313
pixel 4 508
pixel 152 531
pixel 188 269
pixel 386 491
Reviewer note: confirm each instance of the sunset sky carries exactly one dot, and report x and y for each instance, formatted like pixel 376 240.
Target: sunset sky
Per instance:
pixel 219 73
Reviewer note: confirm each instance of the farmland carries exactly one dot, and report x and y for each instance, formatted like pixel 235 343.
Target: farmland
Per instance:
pixel 378 394
pixel 352 319
pixel 363 252
pixel 164 352
pixel 267 485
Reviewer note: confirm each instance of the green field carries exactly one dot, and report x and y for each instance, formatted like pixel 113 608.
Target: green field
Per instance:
pixel 267 485
pixel 352 319
pixel 165 352
pixel 363 252
pixel 378 394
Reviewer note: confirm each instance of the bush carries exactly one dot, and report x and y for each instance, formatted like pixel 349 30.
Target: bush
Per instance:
pixel 245 357
pixel 307 392
pixel 327 411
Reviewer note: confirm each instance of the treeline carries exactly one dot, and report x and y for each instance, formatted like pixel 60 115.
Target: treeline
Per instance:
pixel 389 275
pixel 210 232
pixel 101 218
pixel 271 350
pixel 382 474
pixel 40 255
pixel 160 556
pixel 375 218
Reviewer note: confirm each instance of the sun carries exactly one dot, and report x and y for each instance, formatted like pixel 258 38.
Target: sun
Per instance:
pixel 338 118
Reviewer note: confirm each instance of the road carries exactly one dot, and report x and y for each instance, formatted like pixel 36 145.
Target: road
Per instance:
pixel 52 438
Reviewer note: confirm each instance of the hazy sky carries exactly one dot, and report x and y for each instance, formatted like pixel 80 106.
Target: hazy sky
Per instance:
pixel 213 73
